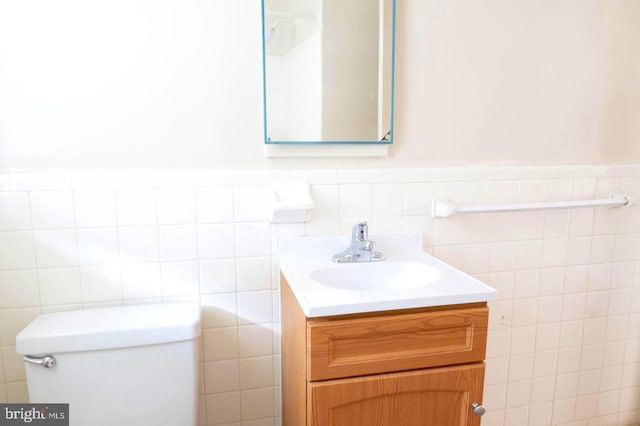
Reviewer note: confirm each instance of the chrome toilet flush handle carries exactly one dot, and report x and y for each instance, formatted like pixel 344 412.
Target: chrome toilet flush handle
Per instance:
pixel 47 361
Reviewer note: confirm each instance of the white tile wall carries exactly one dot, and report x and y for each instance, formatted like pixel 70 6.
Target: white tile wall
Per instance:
pixel 564 340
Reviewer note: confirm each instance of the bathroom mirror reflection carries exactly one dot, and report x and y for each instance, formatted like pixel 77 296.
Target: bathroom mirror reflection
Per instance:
pixel 328 71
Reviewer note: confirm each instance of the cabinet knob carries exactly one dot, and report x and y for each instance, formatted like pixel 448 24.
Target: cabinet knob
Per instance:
pixel 478 409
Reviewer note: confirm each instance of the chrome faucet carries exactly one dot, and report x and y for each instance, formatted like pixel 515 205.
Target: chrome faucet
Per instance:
pixel 361 249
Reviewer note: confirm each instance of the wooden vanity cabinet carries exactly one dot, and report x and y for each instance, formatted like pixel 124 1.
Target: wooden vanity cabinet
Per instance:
pixel 411 367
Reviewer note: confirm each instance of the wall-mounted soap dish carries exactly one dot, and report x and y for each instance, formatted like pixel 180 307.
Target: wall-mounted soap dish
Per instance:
pixel 291 202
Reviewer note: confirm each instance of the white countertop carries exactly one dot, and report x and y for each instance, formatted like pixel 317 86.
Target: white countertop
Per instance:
pixel 303 259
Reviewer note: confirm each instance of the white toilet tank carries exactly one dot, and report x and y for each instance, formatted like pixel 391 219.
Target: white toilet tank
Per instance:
pixel 125 366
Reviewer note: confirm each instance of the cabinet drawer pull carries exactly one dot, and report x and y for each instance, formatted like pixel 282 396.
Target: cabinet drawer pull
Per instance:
pixel 478 409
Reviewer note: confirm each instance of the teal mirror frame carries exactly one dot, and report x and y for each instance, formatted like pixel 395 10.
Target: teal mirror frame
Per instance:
pixel 386 140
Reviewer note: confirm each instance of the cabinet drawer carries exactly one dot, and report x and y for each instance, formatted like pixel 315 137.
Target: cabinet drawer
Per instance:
pixel 395 342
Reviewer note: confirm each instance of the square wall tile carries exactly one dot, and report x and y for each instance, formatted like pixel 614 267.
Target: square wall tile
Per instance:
pixel 388 199
pixel 223 408
pixel 17 250
pixel 96 208
pixel 576 279
pixel 525 312
pixel 136 207
pixel 527 284
pixel 222 376
pixel 14 320
pixel 529 254
pixel 571 333
pixel 563 410
pixel 588 382
pixel 556 223
pixel 566 385
pixel 256 372
pixel 217 276
pixel 505 192
pixel 19 289
pixel 220 343
pixel 605 221
pixel 255 340
pixel 17 392
pixel 540 414
pixel 180 279
pixel 252 203
pixel 547 336
pixel 521 367
pixel 141 280
pixel 554 252
pixel 573 306
pixel 478 191
pixel 545 364
pixel 502 257
pixel 216 241
pixel 98 246
pixel 530 225
pixel 327 201
pixel 592 356
pixel 578 250
pixel 583 188
pixel 518 394
pixel 255 307
pixel 447 231
pixel 356 200
pixel 56 248
pixel 14 366
pixel 477 228
pixel 417 198
pixel 600 276
pixel 214 205
pixel 580 222
pixel 558 190
pixel 549 309
pixel 176 206
pixel 139 244
pixel 626 247
pixel 101 283
pixel 523 340
pixel 257 403
pixel 52 210
pixel 542 389
pixel 253 239
pixel 219 310
pixel 602 248
pixel 15 213
pixel 611 378
pixel 178 242
pixel 494 396
pixel 254 273
pixel 60 286
pixel 608 402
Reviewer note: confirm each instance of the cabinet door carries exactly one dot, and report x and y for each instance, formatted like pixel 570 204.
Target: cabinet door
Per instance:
pixel 432 397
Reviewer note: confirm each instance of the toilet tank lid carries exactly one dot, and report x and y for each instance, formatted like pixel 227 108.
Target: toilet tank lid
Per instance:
pixel 109 328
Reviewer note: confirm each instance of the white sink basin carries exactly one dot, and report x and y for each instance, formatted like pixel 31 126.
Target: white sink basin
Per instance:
pixel 376 276
pixel 408 278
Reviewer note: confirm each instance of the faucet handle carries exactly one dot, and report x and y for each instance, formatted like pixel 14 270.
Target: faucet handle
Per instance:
pixel 360 232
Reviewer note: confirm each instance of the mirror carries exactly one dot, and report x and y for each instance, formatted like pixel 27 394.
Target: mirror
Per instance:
pixel 328 71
